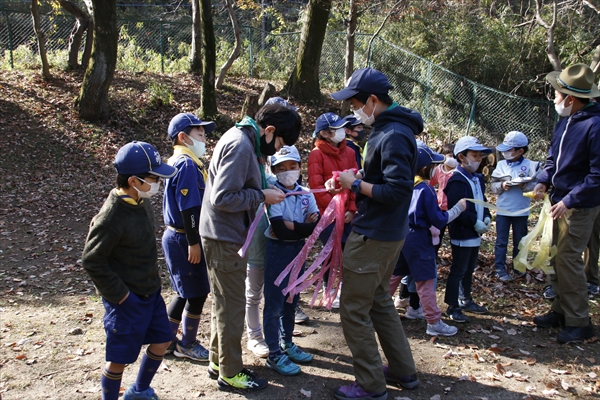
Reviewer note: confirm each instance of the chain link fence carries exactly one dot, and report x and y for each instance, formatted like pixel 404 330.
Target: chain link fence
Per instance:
pixel 451 105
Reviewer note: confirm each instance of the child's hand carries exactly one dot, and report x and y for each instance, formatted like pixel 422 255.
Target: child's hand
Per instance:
pixel 505 185
pixel 348 216
pixel 539 190
pixel 312 217
pixel 194 254
pixel 463 204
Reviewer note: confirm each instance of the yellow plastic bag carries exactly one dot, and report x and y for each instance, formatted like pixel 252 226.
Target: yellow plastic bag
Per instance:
pixel 543 245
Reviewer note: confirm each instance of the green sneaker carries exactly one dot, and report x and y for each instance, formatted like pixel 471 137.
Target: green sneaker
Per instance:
pixel 295 354
pixel 213 370
pixel 245 380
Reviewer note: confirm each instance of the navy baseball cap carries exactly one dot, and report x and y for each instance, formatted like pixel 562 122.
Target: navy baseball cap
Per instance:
pixel 329 120
pixel 183 120
pixel 352 121
pixel 138 158
pixel 367 80
pixel 426 156
pixel 282 101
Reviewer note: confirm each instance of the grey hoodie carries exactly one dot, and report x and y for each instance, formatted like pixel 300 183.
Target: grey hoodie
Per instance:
pixel 233 190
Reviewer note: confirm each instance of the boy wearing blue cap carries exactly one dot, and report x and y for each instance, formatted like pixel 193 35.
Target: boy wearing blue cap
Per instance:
pixel 292 221
pixel 512 176
pixel 355 133
pixel 181 240
pixel 467 228
pixel 120 256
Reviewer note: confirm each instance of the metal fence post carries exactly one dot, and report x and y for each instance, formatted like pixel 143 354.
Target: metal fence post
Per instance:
pixel 162 49
pixel 427 89
pixel 10 44
pixel 250 30
pixel 472 113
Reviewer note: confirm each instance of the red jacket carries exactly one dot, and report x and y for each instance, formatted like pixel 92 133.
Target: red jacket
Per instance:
pixel 323 160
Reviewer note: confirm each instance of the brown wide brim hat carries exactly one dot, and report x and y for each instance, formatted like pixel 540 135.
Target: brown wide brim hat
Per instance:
pixel 575 80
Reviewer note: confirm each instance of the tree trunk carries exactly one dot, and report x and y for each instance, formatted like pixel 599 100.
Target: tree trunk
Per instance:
pixel 41 38
pixel 303 83
pixel 350 44
pixel 89 38
pixel 92 102
pixel 236 49
pixel 250 106
pixel 208 99
pixel 195 51
pixel 82 22
pixel 268 92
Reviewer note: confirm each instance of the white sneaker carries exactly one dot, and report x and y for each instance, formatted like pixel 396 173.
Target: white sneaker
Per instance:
pixel 258 347
pixel 411 313
pixel 336 302
pixel 441 329
pixel 400 302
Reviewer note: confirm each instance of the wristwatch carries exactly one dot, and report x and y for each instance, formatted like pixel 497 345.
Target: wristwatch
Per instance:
pixel 355 187
pixel 262 196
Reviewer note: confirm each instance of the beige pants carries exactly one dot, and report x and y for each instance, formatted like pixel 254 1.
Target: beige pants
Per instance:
pixel 570 234
pixel 227 273
pixel 366 307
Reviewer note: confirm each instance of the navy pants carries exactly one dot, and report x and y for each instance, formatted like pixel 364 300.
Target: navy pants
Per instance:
pixel 464 260
pixel 503 224
pixel 278 314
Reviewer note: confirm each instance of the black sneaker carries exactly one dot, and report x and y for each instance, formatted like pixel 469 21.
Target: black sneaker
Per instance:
pixel 571 334
pixel 245 380
pixel 456 315
pixel 550 320
pixel 593 289
pixel 472 307
pixel 549 292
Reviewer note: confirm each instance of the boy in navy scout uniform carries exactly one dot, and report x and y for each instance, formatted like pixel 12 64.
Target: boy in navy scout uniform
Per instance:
pixel 509 172
pixel 181 239
pixel 120 256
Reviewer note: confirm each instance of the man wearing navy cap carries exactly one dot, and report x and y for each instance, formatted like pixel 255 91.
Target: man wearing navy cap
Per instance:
pixel 379 229
pixel 572 173
pixel 121 258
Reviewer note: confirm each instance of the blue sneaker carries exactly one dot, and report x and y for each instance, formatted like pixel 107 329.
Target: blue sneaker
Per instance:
pixel 503 275
pixel 295 354
pixel 131 394
pixel 194 351
pixel 283 365
pixel 456 315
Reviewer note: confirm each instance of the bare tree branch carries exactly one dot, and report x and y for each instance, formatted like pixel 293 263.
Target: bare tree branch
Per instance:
pixel 236 49
pixel 552 57
pixel 389 14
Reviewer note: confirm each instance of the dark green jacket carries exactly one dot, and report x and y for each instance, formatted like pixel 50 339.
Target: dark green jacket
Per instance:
pixel 120 252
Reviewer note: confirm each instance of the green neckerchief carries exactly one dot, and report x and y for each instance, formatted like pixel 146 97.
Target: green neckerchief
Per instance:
pixel 249 122
pixel 393 105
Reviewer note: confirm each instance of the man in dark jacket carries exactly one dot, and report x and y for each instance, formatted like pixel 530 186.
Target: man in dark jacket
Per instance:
pixel 379 228
pixel 572 171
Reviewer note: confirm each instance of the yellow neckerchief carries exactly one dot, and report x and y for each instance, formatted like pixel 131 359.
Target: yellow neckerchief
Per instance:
pixel 418 180
pixel 179 150
pixel 126 198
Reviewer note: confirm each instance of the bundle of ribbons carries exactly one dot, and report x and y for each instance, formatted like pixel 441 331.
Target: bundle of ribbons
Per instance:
pixel 330 257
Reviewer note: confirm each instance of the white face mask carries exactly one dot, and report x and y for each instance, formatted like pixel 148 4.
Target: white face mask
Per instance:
pixel 363 117
pixel 451 162
pixel 340 134
pixel 471 165
pixel 198 147
pixel 509 155
pixel 562 110
pixel 154 188
pixel 288 178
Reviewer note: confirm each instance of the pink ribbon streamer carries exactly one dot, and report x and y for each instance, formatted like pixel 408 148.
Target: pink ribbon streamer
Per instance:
pixel 261 212
pixel 330 256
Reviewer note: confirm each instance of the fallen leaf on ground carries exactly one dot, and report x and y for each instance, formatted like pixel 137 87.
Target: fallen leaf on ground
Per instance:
pixel 550 393
pixel 500 368
pixel 560 371
pixel 306 393
pixel 530 361
pixel 511 332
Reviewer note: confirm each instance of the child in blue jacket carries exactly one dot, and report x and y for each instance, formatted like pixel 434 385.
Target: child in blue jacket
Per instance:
pixel 291 222
pixel 467 228
pixel 418 255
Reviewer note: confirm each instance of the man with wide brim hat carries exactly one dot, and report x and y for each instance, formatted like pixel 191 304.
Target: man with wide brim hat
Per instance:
pixel 572 171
